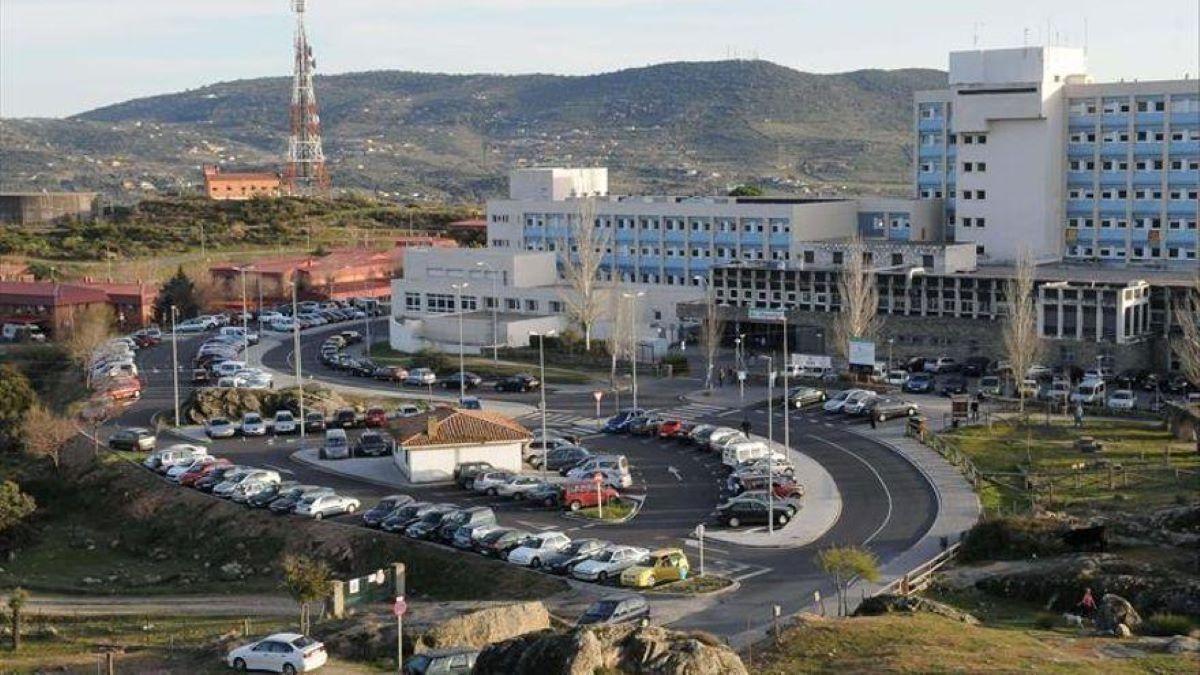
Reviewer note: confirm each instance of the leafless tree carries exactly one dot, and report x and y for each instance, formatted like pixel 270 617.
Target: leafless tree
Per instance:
pixel 859 297
pixel 581 251
pixel 621 312
pixel 712 329
pixel 1187 316
pixel 47 433
pixel 89 328
pixel 1022 345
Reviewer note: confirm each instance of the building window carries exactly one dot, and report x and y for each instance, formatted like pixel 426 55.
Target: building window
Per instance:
pixel 810 257
pixel 441 303
pixel 412 301
pixel 556 307
pixel 512 304
pixel 470 303
pixel 837 257
pixel 897 258
pixel 927 261
pixel 531 305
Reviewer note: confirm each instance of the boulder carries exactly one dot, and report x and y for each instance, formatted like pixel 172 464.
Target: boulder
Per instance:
pixel 1114 611
pixel 889 604
pixel 485 626
pixel 1122 631
pixel 231 571
pixel 625 649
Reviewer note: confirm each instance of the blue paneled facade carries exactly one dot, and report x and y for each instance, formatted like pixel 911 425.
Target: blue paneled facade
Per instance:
pixel 935 157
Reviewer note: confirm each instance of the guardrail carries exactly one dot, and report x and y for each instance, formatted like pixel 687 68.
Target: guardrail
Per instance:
pixel 918 578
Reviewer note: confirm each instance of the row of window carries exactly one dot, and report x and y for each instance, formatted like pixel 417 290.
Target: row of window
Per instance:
pixel 1140 136
pixel 1152 223
pixel 1118 165
pixel 973 194
pixel 1134 253
pixel 978 167
pixel 776 226
pixel 972 222
pixel 1179 104
pixel 1175 194
pixel 445 303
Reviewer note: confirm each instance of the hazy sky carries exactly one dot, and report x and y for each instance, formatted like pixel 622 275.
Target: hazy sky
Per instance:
pixel 59 57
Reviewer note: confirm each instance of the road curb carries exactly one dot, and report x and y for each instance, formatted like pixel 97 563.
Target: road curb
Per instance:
pixel 639 502
pixel 732 587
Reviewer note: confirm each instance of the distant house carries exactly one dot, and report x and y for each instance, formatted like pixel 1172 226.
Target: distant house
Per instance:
pixel 54 305
pixel 240 186
pixel 429 446
pixel 343 274
pixel 25 208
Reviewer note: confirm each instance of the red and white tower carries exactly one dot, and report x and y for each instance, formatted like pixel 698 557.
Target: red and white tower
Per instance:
pixel 305 171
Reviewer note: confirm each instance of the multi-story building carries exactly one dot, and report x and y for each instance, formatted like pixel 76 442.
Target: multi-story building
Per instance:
pixel 1028 154
pixel 222 186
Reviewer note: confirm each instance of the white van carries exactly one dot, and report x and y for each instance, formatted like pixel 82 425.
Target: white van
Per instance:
pixel 1089 391
pixel 614 467
pixel 240 333
pixel 721 435
pixel 337 445
pixel 743 451
pixel 161 460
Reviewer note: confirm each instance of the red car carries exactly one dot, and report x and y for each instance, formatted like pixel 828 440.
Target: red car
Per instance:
pixel 189 479
pixel 376 417
pixel 670 428
pixel 585 495
pixel 783 487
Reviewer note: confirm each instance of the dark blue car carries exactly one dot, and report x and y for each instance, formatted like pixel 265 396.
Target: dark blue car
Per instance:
pixel 920 383
pixel 620 423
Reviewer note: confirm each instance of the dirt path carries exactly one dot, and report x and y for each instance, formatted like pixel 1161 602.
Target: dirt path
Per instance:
pixel 175 605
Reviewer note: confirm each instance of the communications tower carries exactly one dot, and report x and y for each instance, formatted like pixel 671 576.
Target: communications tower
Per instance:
pixel 305 172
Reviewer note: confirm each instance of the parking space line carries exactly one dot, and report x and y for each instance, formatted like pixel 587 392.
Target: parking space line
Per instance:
pixel 751 575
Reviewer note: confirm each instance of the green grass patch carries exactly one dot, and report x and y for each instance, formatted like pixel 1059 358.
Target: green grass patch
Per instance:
pixel 613 511
pixel 697 585
pixel 484 367
pixel 1149 468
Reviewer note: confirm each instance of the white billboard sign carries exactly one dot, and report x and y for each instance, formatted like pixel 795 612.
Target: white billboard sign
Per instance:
pixel 811 362
pixel 862 352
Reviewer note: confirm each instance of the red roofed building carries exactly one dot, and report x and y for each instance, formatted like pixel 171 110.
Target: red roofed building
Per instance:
pixel 429 446
pixel 341 275
pixel 49 304
pixel 132 302
pixel 240 186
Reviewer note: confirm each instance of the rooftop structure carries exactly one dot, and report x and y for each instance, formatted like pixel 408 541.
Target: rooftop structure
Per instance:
pixel 223 186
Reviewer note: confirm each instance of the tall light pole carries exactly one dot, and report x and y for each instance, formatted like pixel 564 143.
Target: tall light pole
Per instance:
pixel 770 444
pixel 891 341
pixel 175 363
pixel 462 380
pixel 542 389
pixel 495 311
pixel 245 319
pixel 633 320
pixel 705 330
pixel 741 370
pixel 787 365
pixel 296 353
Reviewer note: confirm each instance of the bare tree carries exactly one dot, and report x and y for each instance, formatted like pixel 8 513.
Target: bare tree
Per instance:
pixel 712 329
pixel 620 328
pixel 581 251
pixel 859 296
pixel 1022 345
pixel 1186 308
pixel 47 434
pixel 89 328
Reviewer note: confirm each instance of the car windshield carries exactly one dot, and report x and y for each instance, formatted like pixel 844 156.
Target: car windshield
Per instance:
pixel 252 419
pixel 605 556
pixel 603 608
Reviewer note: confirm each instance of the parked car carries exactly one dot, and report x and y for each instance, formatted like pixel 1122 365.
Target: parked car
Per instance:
pixel 314 421
pixel 883 408
pixel 581 495
pixel 517 486
pixel 268 494
pixel 800 397
pixel 408 410
pixel 219 427
pixel 215 477
pixel 609 563
pixel 427 525
pixel 781 486
pixel 856 403
pixel 465 473
pixel 469 517
pixel 467 379
pixel 442 662
pixel 991 385
pixel 561 561
pixel 467 537
pixel 518 383
pixel 405 515
pixel 664 565
pixel 390 373
pixel 619 423
pixel 545 494
pixel 326 505
pixel 375 515
pixel 919 383
pixel 669 428
pixel 975 366
pixel 1122 399
pixel 955 384
pixel 253 425
pixel 176 472
pixel 374 444
pixel 533 550
pixel 345 418
pixel 190 478
pixel 616 610
pixel 284 423
pixel 942 364
pixel 497 544
pixel 751 511
pixel 565 457
pixel 137 439
pixel 836 402
pixel 375 418
pixel 1089 392
pixel 279 653
pixel 287 501
pixel 646 425
pixel 489 481
pixel 336 445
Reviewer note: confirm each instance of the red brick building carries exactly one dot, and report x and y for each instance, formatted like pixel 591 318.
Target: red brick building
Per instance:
pixel 51 305
pixel 240 186
pixel 341 275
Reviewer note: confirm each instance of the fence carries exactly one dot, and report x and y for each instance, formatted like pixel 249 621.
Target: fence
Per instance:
pixel 918 578
pixel 379 586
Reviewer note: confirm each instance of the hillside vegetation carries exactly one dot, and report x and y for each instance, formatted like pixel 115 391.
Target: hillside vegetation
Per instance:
pixel 687 127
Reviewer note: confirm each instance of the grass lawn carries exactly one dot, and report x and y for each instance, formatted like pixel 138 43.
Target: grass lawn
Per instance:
pixel 697 585
pixel 614 511
pixel 486 368
pixel 926 643
pixel 1144 478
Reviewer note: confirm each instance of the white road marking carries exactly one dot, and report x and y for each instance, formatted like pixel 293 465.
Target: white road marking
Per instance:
pixel 707 548
pixel 280 470
pixel 751 575
pixel 883 483
pixel 533 526
pixel 675 472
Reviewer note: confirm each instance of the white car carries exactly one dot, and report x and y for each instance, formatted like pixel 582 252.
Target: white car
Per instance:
pixel 177 470
pixel 227 488
pixel 408 410
pixel 251 379
pixel 836 403
pixel 228 368
pixel 284 422
pixel 897 378
pixel 219 427
pixel 517 486
pixel 721 435
pixel 855 403
pixel 489 483
pixel 249 488
pixel 327 505
pixel 609 563
pixel 1037 371
pixel 1122 399
pixel 420 377
pixel 279 653
pixel 534 549
pixel 253 425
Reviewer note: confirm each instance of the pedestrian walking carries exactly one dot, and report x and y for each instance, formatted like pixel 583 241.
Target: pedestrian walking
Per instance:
pixel 872 416
pixel 1078 414
pixel 746 426
pixel 1087 604
pixel 721 377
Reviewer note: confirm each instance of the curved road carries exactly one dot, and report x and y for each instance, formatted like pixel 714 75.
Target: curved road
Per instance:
pixel 888 504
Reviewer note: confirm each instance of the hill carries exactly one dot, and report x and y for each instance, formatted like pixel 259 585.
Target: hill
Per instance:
pixel 687 127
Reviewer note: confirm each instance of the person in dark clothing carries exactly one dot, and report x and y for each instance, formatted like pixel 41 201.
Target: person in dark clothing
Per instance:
pixel 1087 604
pixel 746 426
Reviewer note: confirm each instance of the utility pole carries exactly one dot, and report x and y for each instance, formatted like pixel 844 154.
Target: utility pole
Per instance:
pixel 462 380
pixel 245 318
pixel 787 365
pixel 770 443
pixel 296 353
pixel 633 319
pixel 542 390
pixel 175 363
pixel 495 311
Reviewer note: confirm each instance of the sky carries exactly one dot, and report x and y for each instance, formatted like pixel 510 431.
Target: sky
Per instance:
pixel 61 57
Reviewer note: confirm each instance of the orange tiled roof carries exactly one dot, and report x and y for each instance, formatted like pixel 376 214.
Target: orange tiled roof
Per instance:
pixel 450 426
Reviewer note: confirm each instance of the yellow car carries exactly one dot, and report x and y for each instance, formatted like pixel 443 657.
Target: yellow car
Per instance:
pixel 667 564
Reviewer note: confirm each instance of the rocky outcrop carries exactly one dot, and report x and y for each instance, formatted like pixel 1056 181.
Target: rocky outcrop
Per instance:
pixel 1113 612
pixel 209 402
pixel 485 626
pixel 891 604
pixel 625 649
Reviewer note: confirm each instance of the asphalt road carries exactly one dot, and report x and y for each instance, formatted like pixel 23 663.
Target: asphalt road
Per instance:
pixel 888 505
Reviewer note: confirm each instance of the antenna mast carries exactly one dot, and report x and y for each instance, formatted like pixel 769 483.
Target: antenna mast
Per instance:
pixel 305 172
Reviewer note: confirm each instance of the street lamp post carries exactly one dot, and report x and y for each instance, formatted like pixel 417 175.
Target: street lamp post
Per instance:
pixel 296 354
pixel 462 380
pixel 495 311
pixel 633 319
pixel 175 363
pixel 891 341
pixel 741 369
pixel 542 389
pixel 705 329
pixel 245 319
pixel 770 445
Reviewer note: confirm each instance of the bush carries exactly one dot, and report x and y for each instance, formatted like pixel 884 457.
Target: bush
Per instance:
pixel 1011 538
pixel 1167 625
pixel 1045 620
pixel 677 361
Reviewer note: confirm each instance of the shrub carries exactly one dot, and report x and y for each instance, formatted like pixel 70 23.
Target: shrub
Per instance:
pixel 678 361
pixel 1045 620
pixel 1011 538
pixel 1166 625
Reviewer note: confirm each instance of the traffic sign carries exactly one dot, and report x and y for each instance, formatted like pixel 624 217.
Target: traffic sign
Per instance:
pixel 400 607
pixel 597 478
pixel 700 530
pixel 741 376
pixel 597 395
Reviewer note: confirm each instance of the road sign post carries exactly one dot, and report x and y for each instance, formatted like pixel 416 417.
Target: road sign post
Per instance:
pixel 598 479
pixel 399 608
pixel 597 395
pixel 700 537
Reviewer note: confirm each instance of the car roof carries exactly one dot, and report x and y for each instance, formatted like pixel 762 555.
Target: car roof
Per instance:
pixel 285 637
pixel 667 551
